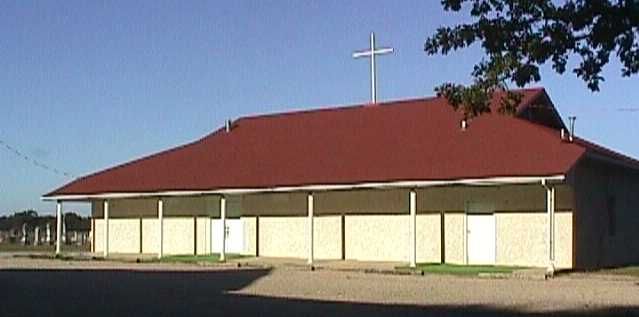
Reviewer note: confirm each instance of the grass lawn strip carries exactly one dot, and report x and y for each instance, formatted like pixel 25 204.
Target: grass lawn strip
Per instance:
pixel 465 270
pixel 195 259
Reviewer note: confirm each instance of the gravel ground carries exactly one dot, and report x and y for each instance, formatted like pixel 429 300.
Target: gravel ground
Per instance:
pixel 97 288
pixel 560 294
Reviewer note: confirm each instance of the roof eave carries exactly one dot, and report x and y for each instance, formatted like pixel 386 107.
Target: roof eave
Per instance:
pixel 489 181
pixel 607 159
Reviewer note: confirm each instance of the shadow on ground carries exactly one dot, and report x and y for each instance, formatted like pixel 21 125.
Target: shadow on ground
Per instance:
pixel 134 293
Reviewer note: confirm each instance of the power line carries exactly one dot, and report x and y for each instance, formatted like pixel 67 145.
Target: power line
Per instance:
pixel 18 153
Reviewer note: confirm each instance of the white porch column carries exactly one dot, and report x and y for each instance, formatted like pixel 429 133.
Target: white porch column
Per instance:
pixel 310 206
pixel 92 235
pixel 550 210
pixel 58 226
pixel 160 228
pixel 223 221
pixel 106 228
pixel 413 228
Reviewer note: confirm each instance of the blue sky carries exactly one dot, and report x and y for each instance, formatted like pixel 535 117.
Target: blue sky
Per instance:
pixel 85 85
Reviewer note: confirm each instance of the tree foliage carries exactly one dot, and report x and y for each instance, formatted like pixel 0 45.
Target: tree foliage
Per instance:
pixel 518 36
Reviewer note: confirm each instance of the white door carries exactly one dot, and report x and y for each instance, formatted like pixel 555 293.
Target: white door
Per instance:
pixel 481 238
pixel 234 235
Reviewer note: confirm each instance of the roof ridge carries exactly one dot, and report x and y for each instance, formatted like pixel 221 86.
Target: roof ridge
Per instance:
pixel 343 107
pixel 336 108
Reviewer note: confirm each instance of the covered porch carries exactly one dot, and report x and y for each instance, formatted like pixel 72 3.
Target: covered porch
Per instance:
pixel 523 221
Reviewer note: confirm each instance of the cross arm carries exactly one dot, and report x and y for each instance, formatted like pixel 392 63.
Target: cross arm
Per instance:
pixel 380 51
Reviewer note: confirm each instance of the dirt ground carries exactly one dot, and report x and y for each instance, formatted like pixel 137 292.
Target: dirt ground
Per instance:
pixel 65 288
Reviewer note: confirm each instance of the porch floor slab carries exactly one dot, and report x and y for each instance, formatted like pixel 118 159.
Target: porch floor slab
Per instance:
pixel 340 265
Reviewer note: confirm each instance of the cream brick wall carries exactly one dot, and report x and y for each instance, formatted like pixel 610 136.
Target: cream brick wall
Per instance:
pixel 203 235
pixel 383 235
pixel 150 235
pixel 283 237
pixel 250 232
pixel 124 235
pixel 563 240
pixel 455 238
pixel 429 238
pixel 521 239
pixel 327 237
pixel 178 235
pixel 377 237
pixel 99 235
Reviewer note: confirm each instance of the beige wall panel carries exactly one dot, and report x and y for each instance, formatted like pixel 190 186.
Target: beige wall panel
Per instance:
pixel 327 237
pixel 429 238
pixel 362 201
pixel 150 235
pixel 285 204
pixel 510 198
pixel 455 244
pixel 283 237
pixel 203 235
pixel 250 231
pixel 377 237
pixel 96 209
pixel 124 235
pixel 126 208
pixel 178 235
pixel 208 205
pixel 521 239
pixel 99 235
pixel 563 240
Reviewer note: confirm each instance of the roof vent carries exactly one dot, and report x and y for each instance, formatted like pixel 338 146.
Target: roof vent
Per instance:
pixel 572 120
pixel 228 125
pixel 463 124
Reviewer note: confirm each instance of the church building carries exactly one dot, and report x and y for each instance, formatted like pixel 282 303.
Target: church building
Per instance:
pixel 407 181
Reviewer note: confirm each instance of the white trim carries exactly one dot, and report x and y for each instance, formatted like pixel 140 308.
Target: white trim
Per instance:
pixel 105 211
pixel 58 227
pixel 550 210
pixel 223 233
pixel 309 219
pixel 412 228
pixel 160 228
pixel 490 181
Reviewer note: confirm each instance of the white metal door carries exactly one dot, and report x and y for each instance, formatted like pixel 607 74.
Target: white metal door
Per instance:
pixel 234 235
pixel 481 238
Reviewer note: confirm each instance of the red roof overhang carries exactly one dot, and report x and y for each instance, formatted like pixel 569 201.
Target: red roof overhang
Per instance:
pixel 403 141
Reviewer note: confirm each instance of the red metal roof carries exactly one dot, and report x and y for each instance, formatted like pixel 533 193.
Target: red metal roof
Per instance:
pixel 411 140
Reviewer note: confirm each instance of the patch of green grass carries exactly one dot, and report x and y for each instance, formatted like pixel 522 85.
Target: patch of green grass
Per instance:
pixel 209 258
pixel 467 270
pixel 628 270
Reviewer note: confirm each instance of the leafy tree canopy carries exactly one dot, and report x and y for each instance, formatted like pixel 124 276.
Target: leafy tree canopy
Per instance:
pixel 518 36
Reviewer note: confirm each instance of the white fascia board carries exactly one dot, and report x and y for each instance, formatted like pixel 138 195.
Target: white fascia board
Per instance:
pixel 493 181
